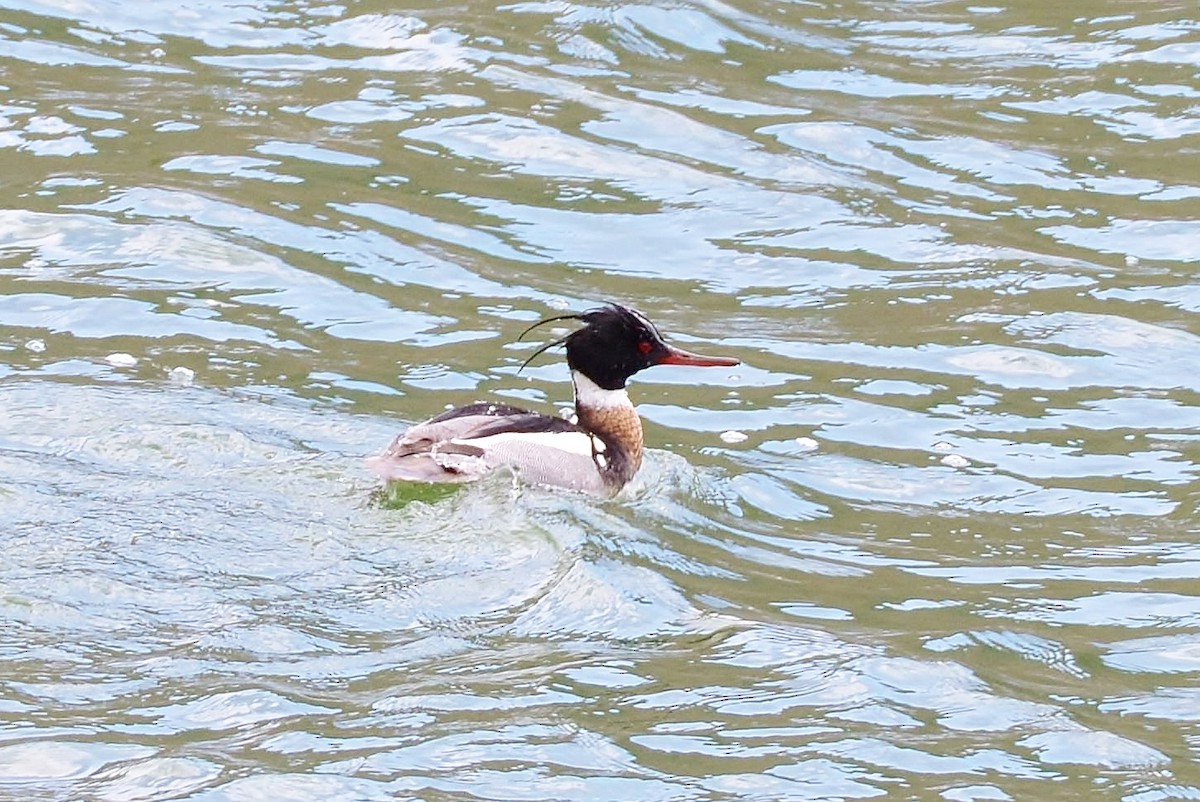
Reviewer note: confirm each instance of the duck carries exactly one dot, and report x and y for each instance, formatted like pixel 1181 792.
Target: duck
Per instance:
pixel 597 453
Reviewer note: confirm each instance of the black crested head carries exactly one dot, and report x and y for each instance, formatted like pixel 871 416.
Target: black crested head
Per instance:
pixel 616 342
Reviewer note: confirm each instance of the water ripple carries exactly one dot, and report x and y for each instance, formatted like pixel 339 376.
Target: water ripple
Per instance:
pixel 934 537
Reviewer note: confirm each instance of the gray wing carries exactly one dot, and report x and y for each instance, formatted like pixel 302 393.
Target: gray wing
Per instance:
pixel 465 443
pixel 469 422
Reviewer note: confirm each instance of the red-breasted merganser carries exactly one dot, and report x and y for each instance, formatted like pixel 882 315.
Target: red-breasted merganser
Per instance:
pixel 598 454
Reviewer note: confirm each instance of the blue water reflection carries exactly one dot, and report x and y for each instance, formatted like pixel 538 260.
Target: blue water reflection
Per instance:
pixel 933 537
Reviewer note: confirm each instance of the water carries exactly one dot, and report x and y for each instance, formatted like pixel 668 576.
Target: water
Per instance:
pixel 955 556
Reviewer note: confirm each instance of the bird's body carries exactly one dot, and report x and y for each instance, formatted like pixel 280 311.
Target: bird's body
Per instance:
pixel 597 454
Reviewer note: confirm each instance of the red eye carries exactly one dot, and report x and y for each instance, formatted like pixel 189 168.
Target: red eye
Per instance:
pixel 645 347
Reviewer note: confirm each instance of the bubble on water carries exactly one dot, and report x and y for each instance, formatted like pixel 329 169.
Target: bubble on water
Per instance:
pixel 181 375
pixel 35 345
pixel 955 461
pixel 121 360
pixel 733 436
pixel 807 444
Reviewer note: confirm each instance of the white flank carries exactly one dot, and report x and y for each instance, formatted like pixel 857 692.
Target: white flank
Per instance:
pixel 593 396
pixel 571 442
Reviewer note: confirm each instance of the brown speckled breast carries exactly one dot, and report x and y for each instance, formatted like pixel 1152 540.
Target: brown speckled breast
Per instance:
pixel 621 430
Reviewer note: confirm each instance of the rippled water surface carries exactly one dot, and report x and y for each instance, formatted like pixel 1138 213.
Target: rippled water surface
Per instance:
pixel 954 557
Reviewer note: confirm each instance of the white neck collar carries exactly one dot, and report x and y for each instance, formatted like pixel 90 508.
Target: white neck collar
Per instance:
pixel 592 396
